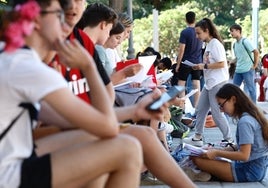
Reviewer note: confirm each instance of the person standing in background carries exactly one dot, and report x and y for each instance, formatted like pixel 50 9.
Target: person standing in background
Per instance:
pixel 190 48
pixel 215 70
pixel 245 63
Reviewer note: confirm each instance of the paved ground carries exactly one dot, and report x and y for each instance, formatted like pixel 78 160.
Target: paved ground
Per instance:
pixel 213 135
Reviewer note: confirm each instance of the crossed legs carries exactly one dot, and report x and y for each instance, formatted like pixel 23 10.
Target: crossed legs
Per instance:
pixel 217 168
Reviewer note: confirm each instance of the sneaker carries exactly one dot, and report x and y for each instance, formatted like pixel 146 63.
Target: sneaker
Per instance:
pixel 226 143
pixel 186 121
pixel 197 176
pixel 193 141
pixel 169 128
pixel 149 179
pixel 186 133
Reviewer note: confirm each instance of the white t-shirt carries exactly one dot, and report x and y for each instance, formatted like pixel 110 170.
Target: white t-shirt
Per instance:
pixel 113 57
pixel 214 53
pixel 23 78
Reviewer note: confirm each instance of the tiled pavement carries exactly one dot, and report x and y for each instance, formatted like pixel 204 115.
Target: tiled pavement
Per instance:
pixel 212 135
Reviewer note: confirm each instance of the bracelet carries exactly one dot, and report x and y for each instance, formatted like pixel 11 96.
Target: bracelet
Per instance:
pixel 206 66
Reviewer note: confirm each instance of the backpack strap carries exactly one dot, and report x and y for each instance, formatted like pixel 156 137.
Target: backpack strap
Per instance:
pixel 32 114
pixel 247 50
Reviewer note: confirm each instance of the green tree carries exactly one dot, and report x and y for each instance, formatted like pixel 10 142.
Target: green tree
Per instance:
pixel 246 24
pixel 171 22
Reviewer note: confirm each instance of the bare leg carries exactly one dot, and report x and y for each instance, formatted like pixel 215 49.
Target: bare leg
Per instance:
pixel 157 159
pixel 182 83
pixel 74 165
pixel 220 169
pixel 196 85
pixel 163 138
pixel 161 134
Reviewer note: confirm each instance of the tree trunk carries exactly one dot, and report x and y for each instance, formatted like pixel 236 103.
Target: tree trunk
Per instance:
pixel 117 5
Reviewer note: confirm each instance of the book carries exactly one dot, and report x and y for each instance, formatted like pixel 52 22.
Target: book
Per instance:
pixel 192 92
pixel 147 64
pixel 197 151
pixel 122 64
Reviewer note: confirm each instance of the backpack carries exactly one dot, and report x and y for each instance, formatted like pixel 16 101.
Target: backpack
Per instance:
pixel 125 96
pixel 180 130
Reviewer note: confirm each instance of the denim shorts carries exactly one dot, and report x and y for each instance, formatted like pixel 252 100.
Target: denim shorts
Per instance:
pixel 251 171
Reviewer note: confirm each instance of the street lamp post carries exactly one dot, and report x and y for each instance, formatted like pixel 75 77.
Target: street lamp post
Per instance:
pixel 130 50
pixel 255 22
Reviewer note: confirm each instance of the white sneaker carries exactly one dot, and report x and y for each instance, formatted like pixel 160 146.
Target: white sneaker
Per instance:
pixel 197 176
pixel 169 128
pixel 193 141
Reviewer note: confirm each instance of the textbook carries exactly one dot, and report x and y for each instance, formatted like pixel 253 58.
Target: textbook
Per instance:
pixel 145 61
pixel 197 151
pixel 122 64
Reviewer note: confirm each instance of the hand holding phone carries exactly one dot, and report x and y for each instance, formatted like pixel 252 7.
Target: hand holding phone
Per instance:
pixel 165 97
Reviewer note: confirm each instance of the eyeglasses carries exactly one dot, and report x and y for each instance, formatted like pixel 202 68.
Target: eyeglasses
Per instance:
pixel 59 13
pixel 221 105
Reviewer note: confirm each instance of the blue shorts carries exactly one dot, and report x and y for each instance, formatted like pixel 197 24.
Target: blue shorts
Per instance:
pixel 251 171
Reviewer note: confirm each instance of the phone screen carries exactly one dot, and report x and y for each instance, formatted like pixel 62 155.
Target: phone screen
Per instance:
pixel 165 97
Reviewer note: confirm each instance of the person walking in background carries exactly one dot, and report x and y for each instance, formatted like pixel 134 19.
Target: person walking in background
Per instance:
pixel 190 48
pixel 249 160
pixel 245 63
pixel 216 74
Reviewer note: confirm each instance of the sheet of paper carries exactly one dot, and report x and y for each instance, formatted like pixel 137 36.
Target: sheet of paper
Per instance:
pixel 192 92
pixel 197 151
pixel 122 84
pixel 164 76
pixel 146 62
pixel 189 63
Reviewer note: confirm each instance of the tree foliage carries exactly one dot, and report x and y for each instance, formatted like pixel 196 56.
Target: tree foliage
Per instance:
pixel 246 24
pixel 170 23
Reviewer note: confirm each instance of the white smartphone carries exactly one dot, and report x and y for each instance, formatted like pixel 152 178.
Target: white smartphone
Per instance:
pixel 165 97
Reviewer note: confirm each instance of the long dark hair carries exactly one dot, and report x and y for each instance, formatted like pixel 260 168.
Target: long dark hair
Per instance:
pixel 243 104
pixel 206 24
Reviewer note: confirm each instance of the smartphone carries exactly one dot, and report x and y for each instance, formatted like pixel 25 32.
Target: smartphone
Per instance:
pixel 165 97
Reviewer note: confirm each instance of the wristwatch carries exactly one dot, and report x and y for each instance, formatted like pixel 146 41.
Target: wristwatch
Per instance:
pixel 206 66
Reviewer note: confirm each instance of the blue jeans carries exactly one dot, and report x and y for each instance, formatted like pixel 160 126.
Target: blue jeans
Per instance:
pixel 251 171
pixel 248 78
